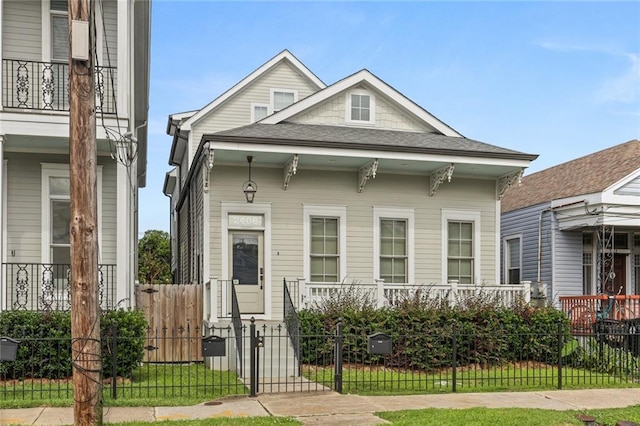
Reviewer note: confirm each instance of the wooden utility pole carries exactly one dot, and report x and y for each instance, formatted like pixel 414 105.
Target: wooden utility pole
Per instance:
pixel 85 318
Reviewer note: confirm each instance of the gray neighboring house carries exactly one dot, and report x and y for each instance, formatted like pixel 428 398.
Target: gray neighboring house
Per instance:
pixel 574 229
pixel 34 149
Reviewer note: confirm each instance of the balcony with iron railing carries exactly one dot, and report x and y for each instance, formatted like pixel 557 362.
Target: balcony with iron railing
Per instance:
pixel 47 287
pixel 33 85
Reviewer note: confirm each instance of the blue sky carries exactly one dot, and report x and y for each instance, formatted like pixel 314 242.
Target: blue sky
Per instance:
pixel 558 79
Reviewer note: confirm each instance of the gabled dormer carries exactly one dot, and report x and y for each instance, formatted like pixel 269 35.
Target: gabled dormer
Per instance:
pixel 273 87
pixel 362 100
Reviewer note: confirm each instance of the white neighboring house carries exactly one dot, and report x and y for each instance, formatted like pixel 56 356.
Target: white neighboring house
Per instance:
pixel 34 148
pixel 355 183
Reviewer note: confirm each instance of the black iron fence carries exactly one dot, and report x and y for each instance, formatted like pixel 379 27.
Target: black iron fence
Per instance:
pixel 329 360
pixel 45 86
pixel 46 286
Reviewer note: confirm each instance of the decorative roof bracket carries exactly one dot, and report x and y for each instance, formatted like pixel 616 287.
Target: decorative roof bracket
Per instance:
pixel 505 181
pixel 290 168
pixel 366 172
pixel 208 165
pixel 437 177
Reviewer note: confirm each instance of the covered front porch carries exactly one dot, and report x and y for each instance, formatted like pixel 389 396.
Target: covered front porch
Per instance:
pixel 218 294
pixel 584 311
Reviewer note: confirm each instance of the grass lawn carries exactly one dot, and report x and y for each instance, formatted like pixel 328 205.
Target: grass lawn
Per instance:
pixel 507 416
pixel 152 384
pixel 361 380
pixel 448 417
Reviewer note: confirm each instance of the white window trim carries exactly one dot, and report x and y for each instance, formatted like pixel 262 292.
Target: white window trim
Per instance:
pixel 264 209
pixel 372 107
pixel 340 212
pixel 272 92
pixel 394 213
pixel 46 36
pixel 62 170
pixel 506 256
pixel 466 216
pixel 255 105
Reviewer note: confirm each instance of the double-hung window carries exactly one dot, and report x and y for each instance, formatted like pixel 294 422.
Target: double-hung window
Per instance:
pixel 460 253
pixel 393 250
pixel 360 107
pixel 461 243
pixel 258 112
pixel 56 212
pixel 512 259
pixel 325 243
pixel 282 98
pixel 59 31
pixel 325 253
pixel 393 244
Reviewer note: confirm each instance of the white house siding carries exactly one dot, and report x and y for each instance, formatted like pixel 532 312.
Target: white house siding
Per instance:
pixel 24 211
pixel 525 222
pixel 333 111
pixel 339 189
pixel 110 33
pixel 236 111
pixel 631 188
pixel 22 30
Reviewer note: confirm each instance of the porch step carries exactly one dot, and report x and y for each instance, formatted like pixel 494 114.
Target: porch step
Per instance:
pixel 276 356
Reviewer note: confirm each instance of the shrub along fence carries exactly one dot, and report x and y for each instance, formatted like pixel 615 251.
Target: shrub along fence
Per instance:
pixel 377 352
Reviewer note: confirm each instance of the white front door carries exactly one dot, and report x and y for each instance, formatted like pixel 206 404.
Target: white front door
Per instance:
pixel 247 269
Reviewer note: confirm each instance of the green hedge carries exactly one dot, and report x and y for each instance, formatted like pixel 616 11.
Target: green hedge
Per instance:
pixel 486 333
pixel 44 350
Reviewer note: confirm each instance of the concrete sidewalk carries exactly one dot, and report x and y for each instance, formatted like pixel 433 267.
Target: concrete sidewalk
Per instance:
pixel 320 408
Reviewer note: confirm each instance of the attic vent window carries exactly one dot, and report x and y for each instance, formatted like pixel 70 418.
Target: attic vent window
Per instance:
pixel 360 108
pixel 281 99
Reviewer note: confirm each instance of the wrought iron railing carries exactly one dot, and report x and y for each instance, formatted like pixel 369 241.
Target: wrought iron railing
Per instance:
pixel 45 86
pixel 237 325
pixel 47 286
pixel 291 320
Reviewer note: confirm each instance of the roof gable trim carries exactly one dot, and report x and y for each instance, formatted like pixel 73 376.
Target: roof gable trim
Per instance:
pixel 359 78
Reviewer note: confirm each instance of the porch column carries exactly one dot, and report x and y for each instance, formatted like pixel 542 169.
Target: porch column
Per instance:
pixel 3 225
pixel 124 237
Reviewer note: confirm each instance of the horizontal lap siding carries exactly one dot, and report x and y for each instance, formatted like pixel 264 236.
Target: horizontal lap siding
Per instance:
pixel 21 30
pixel 334 112
pixel 24 206
pixel 109 209
pixel 110 33
pixel 567 263
pixel 339 189
pixel 236 112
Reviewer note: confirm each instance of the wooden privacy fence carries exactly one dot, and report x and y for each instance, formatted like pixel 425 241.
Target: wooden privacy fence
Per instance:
pixel 174 313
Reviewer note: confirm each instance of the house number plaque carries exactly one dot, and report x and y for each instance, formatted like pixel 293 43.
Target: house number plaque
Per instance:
pixel 246 221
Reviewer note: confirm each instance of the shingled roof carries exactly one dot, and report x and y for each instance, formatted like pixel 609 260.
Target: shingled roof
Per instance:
pixel 316 135
pixel 585 175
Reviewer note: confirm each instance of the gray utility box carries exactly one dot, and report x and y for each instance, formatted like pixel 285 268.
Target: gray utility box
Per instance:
pixel 8 349
pixel 213 346
pixel 380 343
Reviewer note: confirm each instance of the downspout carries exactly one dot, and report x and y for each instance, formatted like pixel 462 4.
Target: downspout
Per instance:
pixel 539 266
